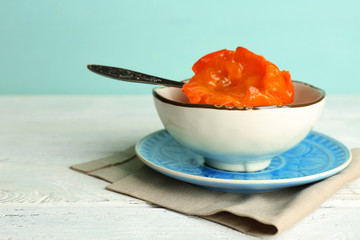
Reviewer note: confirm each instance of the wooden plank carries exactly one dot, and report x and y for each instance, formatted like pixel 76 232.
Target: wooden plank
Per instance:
pixel 114 222
pixel 41 198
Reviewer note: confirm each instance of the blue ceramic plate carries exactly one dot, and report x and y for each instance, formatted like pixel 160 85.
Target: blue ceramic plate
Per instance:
pixel 316 157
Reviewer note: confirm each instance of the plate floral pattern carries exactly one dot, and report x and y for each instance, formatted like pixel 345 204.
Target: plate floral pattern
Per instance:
pixel 318 156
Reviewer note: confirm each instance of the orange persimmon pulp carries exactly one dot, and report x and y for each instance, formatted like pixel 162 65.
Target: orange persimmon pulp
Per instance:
pixel 238 78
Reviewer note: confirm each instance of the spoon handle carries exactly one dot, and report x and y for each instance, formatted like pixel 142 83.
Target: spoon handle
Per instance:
pixel 132 76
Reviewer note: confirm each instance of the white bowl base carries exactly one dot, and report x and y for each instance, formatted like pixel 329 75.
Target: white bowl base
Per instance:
pixel 239 167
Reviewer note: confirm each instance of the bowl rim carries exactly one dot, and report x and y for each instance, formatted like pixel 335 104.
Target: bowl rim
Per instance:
pixel 236 108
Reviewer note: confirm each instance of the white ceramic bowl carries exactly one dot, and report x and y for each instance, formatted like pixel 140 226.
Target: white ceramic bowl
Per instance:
pixel 239 139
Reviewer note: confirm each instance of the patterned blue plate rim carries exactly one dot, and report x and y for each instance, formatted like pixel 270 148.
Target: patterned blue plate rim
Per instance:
pixel 320 175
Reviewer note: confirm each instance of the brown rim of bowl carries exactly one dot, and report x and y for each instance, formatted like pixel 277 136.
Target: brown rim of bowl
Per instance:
pixel 225 107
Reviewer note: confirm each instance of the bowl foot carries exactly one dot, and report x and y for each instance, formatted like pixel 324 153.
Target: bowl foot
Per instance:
pixel 239 167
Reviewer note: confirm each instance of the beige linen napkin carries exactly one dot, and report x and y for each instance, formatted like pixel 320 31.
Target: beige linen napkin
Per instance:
pixel 251 213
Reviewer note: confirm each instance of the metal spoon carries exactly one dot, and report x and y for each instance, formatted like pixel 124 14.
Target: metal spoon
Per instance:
pixel 131 76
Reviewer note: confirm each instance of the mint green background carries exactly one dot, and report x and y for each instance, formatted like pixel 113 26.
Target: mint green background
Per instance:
pixel 46 45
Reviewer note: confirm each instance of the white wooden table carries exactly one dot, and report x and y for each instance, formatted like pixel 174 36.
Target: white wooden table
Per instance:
pixel 41 198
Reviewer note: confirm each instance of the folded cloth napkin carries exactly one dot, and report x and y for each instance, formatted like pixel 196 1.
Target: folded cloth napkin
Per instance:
pixel 255 214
